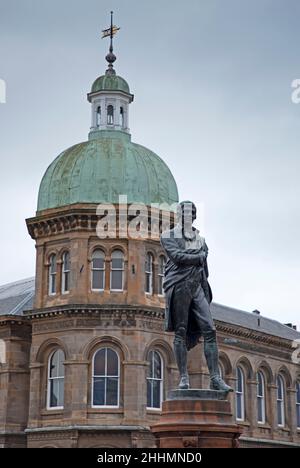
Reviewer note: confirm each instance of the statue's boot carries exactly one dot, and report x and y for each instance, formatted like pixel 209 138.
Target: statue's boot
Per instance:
pixel 212 359
pixel 181 359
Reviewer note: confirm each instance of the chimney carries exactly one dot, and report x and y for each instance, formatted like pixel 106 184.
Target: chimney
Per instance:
pixel 290 325
pixel 257 312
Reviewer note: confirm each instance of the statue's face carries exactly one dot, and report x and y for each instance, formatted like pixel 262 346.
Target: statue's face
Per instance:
pixel 189 213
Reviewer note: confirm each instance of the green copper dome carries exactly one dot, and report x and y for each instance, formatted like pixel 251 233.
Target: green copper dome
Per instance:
pixel 110 83
pixel 101 169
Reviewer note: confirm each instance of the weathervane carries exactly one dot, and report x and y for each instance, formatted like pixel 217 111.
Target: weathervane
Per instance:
pixel 110 32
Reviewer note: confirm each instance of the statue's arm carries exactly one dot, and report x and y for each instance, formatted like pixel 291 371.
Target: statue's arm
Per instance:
pixel 180 256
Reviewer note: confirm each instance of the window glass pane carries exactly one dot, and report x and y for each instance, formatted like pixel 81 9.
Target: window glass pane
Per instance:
pixel 298 415
pixel 117 263
pixel 54 393
pixel 298 392
pixel 117 279
pixel 112 391
pixel 54 365
pixel 99 362
pixel 156 393
pixel 279 388
pixel 149 393
pixel 239 414
pixel 161 265
pixel 99 391
pixel 260 409
pixel 156 365
pixel 149 261
pixel 112 363
pixel 52 284
pixel 66 261
pixel 61 358
pixel 148 282
pixel 98 279
pixel 98 263
pixel 53 264
pixel 60 392
pixel 260 381
pixel 239 380
pixel 279 414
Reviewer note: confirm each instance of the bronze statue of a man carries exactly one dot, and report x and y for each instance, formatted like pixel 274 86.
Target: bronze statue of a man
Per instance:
pixel 188 295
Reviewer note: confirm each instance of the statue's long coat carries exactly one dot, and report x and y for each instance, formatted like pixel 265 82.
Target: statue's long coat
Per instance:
pixel 181 264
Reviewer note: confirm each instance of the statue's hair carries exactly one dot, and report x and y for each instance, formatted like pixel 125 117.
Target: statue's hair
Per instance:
pixel 181 206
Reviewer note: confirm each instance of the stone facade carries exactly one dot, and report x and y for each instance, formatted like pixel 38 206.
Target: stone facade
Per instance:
pixel 130 322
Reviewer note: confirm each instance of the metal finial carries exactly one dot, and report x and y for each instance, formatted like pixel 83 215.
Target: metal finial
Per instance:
pixel 110 57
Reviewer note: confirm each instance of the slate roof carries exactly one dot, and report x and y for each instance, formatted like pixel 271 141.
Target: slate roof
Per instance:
pixel 253 321
pixel 18 296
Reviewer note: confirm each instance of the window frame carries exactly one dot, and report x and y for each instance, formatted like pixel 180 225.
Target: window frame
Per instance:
pixel 161 380
pixel 161 275
pixel 49 379
pixel 117 269
pixel 280 401
pixel 98 269
pixel 105 377
pixel 149 273
pixel 261 398
pixel 241 394
pixel 52 275
pixel 64 273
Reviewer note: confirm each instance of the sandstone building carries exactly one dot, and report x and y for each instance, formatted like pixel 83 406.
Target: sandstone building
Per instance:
pixel 84 359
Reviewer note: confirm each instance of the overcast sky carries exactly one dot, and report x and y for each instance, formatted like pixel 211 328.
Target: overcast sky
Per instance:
pixel 212 84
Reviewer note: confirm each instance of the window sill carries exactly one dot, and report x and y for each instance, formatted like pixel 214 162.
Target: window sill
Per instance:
pixel 52 411
pixel 283 428
pixel 243 423
pixel 154 410
pixel 105 409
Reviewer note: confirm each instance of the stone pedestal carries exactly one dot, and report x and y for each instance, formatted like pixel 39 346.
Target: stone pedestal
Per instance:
pixel 196 419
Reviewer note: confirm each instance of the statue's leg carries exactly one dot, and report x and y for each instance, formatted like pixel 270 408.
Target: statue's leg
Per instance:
pixel 201 310
pixel 180 307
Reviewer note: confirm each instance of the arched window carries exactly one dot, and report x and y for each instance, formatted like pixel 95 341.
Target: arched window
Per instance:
pixel 106 378
pixel 110 114
pixel 261 398
pixel 52 275
pixel 98 116
pixel 122 119
pixel 280 401
pixel 56 377
pixel 298 403
pixel 98 270
pixel 149 274
pixel 240 394
pixel 161 270
pixel 117 271
pixel 65 286
pixel 154 380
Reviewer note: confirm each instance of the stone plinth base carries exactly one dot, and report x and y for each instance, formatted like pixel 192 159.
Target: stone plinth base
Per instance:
pixel 196 418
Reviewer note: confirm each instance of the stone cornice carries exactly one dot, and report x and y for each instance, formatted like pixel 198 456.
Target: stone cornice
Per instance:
pixel 126 315
pixel 80 217
pixel 236 331
pixel 13 320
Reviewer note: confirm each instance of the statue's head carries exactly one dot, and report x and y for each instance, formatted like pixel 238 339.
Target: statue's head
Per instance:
pixel 186 212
